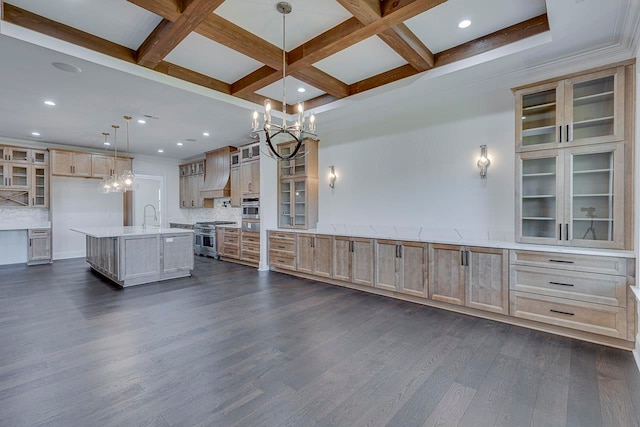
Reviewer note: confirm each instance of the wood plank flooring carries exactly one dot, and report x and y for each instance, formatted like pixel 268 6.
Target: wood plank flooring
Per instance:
pixel 231 346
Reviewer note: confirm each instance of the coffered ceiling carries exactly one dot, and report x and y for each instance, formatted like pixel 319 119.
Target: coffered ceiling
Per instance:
pixel 231 49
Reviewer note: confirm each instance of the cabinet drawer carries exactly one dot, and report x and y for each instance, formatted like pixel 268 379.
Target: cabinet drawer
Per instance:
pixel 282 246
pixel 251 247
pixel 575 285
pixel 596 318
pixel 39 232
pixel 282 235
pixel 281 260
pixel 250 256
pixel 231 251
pixel 231 231
pixel 592 264
pixel 248 237
pixel 230 239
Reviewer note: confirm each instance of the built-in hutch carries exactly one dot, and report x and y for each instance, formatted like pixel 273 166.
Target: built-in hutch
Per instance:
pixel 24 177
pixel 191 182
pixel 298 186
pixel 569 271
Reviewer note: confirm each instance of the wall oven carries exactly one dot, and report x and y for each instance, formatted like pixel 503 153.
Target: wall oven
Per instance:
pixel 250 208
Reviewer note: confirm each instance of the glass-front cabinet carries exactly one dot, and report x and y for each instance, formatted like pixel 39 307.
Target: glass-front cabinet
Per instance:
pixel 295 166
pixel 40 186
pixel 582 110
pixel 14 175
pixel 293 204
pixel 572 197
pixel 298 186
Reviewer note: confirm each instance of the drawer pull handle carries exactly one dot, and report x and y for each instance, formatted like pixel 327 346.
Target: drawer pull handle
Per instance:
pixel 561 261
pixel 561 284
pixel 281 247
pixel 561 312
pixel 282 261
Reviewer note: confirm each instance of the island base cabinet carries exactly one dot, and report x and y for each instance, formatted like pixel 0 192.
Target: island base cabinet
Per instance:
pixel 142 255
pixel 177 253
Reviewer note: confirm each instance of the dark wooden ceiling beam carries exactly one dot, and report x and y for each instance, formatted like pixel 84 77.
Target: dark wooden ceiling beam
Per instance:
pixel 399 37
pixel 191 76
pixel 323 81
pixel 514 33
pixel 168 9
pixel 252 82
pixel 40 24
pixel 382 79
pixel 168 34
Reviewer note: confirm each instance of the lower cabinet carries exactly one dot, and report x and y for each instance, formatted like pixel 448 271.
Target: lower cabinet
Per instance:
pixel 315 254
pixel 250 246
pixel 353 260
pixel 402 267
pixel 39 246
pixel 282 249
pixel 470 276
pixel 228 242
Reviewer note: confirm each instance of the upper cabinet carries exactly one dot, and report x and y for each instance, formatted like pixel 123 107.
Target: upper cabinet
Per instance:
pixel 250 152
pixel 191 182
pixel 24 177
pixel 587 109
pixel 298 186
pixel 15 154
pixel 70 163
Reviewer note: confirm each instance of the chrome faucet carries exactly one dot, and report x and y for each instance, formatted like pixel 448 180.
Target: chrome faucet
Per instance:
pixel 144 219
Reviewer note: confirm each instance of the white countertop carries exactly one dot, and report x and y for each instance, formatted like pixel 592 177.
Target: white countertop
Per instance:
pixel 454 237
pixel 23 225
pixel 128 231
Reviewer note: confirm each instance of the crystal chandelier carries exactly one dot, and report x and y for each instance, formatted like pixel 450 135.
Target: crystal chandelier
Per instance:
pixel 298 130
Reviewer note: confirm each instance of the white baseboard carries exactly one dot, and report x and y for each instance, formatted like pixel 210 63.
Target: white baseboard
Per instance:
pixel 68 255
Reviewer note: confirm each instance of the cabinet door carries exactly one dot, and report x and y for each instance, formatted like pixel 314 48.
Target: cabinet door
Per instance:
pixel 18 155
pixel 594 108
pixel 305 253
pixel 39 186
pixel 342 258
pixel 594 209
pixel 539 115
pixel 82 164
pixel 388 275
pixel 300 203
pixel 285 219
pixel 220 241
pixel 39 245
pixel 101 166
pixel 488 279
pixel 323 260
pixel 17 175
pixel 539 197
pixel 446 273
pixel 245 178
pixel 198 184
pixel 61 163
pixel 362 260
pixel 183 191
pixel 254 186
pixel 235 187
pixel 39 157
pixel 413 267
pixel 122 165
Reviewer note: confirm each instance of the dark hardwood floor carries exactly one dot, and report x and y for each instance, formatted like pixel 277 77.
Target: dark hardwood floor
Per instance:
pixel 234 347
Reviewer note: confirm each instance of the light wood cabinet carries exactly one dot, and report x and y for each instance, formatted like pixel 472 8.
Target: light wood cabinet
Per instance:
pixel 39 186
pixel 250 246
pixel 191 182
pixel 250 178
pixel 15 154
pixel 24 177
pixel 250 152
pixel 39 246
pixel 234 178
pixel 402 267
pixel 353 259
pixel 471 276
pixel 573 196
pixel 315 254
pixel 228 242
pixel 298 186
pixel 580 110
pixel 14 175
pixel 105 166
pixel 282 249
pixel 70 163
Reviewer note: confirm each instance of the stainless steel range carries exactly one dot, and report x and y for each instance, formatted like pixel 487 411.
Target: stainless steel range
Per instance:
pixel 205 238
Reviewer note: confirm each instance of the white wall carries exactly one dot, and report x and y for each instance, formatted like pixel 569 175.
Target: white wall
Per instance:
pixel 78 202
pixel 168 169
pixel 414 164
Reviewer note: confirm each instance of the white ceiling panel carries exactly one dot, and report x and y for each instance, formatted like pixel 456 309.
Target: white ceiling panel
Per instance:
pixel 212 59
pixel 308 19
pixel 115 20
pixel 360 61
pixel 438 27
pixel 274 91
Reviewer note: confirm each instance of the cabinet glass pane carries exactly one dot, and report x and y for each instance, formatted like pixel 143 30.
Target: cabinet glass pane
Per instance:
pixel 39 157
pixel 593 108
pixel 539 118
pixel 539 197
pixel 286 166
pixel 255 150
pixel 19 155
pixel 300 203
pixel 285 203
pixel 592 196
pixel 300 161
pixel 2 174
pixel 19 176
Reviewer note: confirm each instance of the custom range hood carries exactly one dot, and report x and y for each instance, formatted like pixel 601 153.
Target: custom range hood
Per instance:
pixel 217 171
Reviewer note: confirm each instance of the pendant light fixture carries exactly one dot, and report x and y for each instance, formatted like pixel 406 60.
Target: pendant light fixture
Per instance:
pixel 299 130
pixel 117 186
pixel 128 178
pixel 106 185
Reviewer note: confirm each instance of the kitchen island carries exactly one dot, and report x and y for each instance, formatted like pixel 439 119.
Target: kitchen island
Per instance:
pixel 132 255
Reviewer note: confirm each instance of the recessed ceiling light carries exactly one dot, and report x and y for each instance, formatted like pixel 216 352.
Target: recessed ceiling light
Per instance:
pixel 179 144
pixel 142 121
pixel 205 133
pixel 160 151
pixel 49 103
pixel 63 66
pixel 106 143
pixel 301 89
pixel 464 23
pixel 35 133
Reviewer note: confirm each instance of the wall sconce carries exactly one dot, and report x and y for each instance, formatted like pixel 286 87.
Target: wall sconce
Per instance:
pixel 332 176
pixel 483 162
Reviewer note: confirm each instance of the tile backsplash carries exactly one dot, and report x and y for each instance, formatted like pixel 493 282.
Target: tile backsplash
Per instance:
pixel 26 216
pixel 218 213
